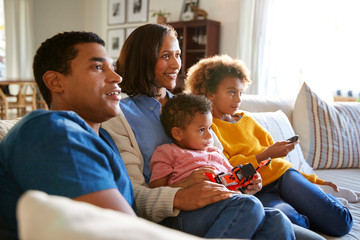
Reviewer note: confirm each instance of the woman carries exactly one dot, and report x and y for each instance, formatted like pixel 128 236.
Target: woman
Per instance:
pixel 149 63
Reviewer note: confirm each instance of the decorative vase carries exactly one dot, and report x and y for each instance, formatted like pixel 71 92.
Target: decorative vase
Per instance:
pixel 161 19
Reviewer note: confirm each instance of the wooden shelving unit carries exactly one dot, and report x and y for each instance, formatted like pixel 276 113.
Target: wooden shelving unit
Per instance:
pixel 198 39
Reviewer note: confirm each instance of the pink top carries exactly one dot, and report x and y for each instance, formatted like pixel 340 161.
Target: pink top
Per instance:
pixel 178 163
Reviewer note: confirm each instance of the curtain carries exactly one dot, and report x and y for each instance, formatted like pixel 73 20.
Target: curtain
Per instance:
pixel 285 43
pixel 19 38
pixel 255 26
pixel 245 38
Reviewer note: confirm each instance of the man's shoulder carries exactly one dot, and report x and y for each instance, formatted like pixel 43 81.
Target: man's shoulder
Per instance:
pixel 43 122
pixel 49 119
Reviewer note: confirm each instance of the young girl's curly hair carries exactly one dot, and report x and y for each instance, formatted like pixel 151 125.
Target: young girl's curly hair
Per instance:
pixel 204 76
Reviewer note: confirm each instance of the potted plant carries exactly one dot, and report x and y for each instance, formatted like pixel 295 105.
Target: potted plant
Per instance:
pixel 161 15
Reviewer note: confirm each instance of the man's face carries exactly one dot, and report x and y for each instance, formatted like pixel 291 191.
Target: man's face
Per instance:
pixel 91 89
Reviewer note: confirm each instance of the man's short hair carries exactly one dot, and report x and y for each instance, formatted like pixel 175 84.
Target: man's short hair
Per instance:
pixel 56 54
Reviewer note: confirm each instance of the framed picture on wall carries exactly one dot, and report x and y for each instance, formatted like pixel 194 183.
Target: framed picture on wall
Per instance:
pixel 137 11
pixel 115 40
pixel 187 13
pixel 116 12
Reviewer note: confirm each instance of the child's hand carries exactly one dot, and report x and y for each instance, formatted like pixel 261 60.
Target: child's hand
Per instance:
pixel 278 149
pixel 333 185
pixel 255 186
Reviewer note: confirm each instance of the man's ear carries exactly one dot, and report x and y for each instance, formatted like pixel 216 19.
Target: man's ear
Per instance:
pixel 52 80
pixel 176 132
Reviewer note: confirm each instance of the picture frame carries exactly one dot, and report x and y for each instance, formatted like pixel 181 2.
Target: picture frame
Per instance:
pixel 116 12
pixel 186 13
pixel 116 38
pixel 137 11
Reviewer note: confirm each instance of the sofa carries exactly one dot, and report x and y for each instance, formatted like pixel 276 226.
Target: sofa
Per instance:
pixel 329 134
pixel 329 146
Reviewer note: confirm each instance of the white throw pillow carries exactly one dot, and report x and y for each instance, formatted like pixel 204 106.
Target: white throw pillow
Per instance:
pixel 43 217
pixel 330 132
pixel 6 125
pixel 279 127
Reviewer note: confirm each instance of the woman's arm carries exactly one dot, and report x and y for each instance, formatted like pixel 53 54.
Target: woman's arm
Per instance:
pixel 154 204
pixel 159 182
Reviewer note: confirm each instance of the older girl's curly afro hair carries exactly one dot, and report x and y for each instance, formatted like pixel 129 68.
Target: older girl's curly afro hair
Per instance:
pixel 204 76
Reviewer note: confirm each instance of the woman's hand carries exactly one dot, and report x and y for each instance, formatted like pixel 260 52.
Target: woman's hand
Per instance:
pixel 278 149
pixel 255 186
pixel 197 176
pixel 200 195
pixel 199 191
pixel 333 185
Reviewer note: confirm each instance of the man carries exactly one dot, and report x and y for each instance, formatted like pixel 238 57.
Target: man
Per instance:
pixel 64 151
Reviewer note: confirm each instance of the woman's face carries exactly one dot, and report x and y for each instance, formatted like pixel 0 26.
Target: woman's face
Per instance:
pixel 168 63
pixel 226 100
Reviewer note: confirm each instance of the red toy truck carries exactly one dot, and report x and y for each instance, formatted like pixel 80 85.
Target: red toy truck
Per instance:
pixel 239 177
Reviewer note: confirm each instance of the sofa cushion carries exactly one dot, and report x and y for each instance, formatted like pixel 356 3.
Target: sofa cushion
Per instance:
pixel 5 126
pixel 256 103
pixel 42 217
pixel 330 132
pixel 279 127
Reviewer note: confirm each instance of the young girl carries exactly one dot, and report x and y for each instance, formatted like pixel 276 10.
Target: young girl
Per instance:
pixel 187 120
pixel 223 79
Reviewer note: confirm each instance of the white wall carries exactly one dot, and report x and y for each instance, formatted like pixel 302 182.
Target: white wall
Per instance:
pixel 226 12
pixel 54 16
pixel 95 18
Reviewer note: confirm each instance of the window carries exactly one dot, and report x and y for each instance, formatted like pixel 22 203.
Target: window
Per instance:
pixel 2 41
pixel 313 41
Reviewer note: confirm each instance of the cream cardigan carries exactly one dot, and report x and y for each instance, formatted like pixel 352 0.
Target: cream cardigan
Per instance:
pixel 154 204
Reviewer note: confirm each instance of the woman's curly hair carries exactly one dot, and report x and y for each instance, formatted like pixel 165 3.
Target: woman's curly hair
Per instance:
pixel 205 76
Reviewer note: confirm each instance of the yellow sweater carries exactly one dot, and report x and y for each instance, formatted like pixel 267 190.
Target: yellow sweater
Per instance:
pixel 244 139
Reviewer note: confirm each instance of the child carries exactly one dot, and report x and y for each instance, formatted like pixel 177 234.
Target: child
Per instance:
pixel 223 79
pixel 187 119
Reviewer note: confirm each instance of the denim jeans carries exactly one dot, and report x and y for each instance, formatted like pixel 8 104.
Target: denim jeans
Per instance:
pixel 306 205
pixel 240 216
